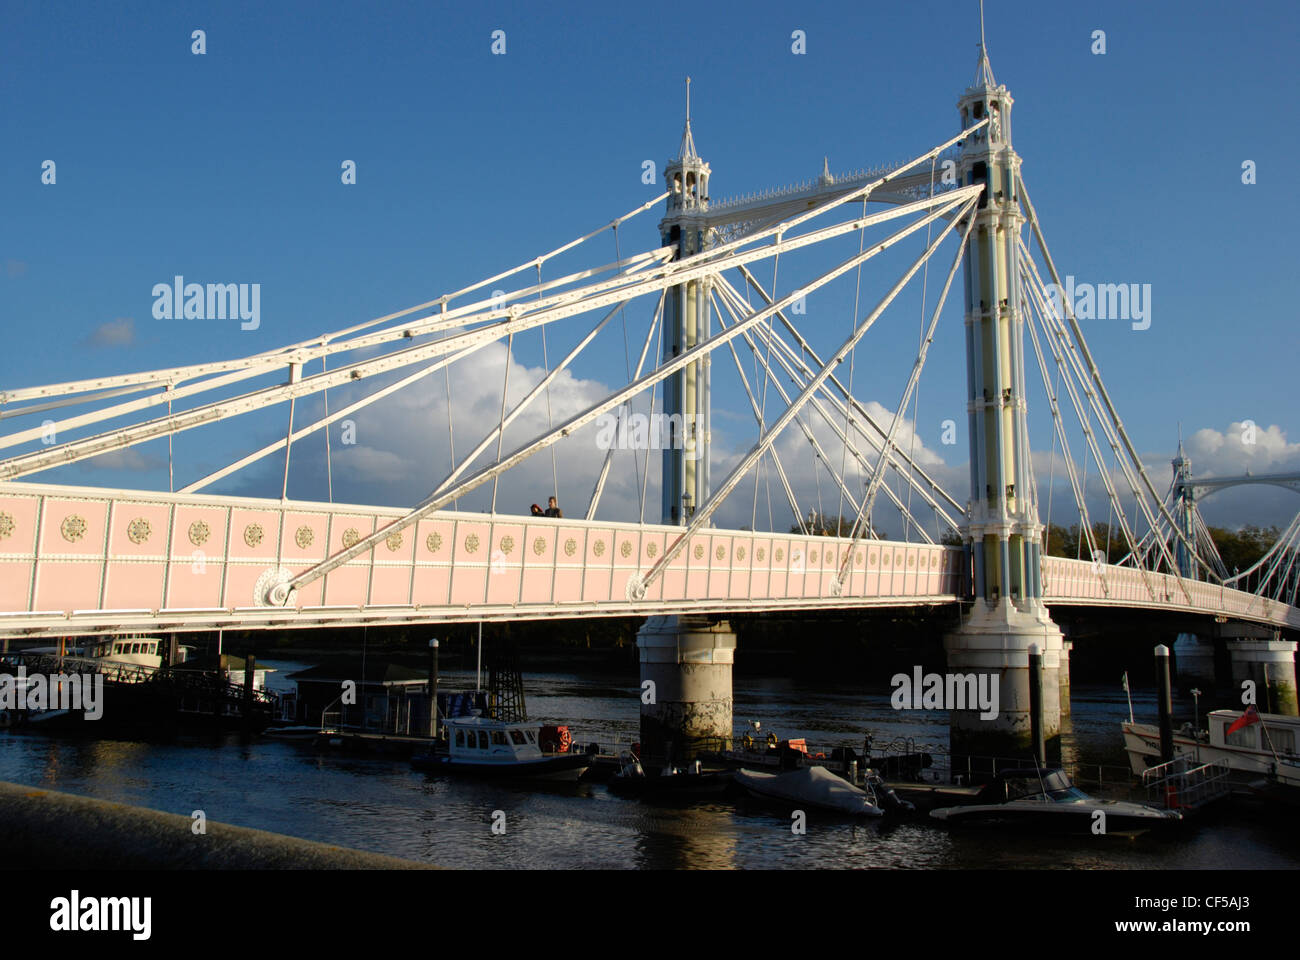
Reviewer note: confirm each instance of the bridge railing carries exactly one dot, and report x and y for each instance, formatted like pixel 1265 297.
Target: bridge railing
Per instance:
pixel 1066 579
pixel 52 664
pixel 81 560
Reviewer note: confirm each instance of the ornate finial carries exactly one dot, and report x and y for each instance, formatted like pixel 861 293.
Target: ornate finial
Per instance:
pixel 826 171
pixel 983 71
pixel 687 151
pixel 1180 458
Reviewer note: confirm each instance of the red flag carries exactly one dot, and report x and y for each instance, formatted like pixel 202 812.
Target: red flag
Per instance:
pixel 1246 719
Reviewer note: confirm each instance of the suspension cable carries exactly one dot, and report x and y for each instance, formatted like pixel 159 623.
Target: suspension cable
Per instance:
pixel 329 460
pixel 920 341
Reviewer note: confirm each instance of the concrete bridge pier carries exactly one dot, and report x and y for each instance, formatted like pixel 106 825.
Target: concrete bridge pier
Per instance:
pixel 1260 654
pixel 1194 661
pixel 686 696
pixel 995 640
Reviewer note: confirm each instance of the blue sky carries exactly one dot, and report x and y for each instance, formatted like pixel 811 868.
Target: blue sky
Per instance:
pixel 225 167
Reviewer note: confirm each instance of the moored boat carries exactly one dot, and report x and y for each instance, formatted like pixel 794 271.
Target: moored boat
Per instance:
pixel 1255 749
pixel 484 747
pixel 1045 800
pixel 670 783
pixel 813 787
pixel 139 690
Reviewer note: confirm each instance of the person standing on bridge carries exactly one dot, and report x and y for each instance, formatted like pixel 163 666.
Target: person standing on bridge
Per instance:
pixel 553 508
pixel 536 511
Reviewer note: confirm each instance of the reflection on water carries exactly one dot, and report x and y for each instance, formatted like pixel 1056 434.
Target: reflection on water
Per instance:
pixel 380 804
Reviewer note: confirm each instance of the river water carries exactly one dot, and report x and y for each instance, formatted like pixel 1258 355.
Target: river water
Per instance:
pixel 381 805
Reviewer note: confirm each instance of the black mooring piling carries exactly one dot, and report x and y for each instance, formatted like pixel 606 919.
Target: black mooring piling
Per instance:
pixel 433 687
pixel 1164 700
pixel 1039 742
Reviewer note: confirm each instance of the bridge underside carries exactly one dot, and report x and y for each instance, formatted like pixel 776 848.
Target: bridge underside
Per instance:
pixel 81 561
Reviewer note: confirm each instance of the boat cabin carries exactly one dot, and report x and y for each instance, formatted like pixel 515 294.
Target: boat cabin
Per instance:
pixel 484 740
pixel 143 651
pixel 1281 732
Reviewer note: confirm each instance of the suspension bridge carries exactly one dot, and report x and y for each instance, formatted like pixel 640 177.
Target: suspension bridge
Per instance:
pixel 78 560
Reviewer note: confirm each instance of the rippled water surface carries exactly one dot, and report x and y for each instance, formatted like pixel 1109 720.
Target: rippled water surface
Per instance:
pixel 381 805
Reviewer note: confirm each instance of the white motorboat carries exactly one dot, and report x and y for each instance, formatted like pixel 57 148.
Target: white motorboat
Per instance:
pixel 1046 800
pixel 481 746
pixel 1252 751
pixel 813 787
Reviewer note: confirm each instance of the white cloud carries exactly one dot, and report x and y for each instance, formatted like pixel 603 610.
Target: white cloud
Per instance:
pixel 113 333
pixel 1213 453
pixel 132 459
pixel 402 452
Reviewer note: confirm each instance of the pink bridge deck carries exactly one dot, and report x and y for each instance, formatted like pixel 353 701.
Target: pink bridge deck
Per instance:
pixel 83 560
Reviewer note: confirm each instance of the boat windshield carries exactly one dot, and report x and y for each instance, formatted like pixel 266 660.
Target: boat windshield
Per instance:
pixel 1051 786
pixel 1068 795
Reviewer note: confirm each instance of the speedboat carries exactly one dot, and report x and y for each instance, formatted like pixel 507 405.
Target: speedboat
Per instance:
pixel 1252 751
pixel 484 747
pixel 813 787
pixel 1046 800
pixel 671 782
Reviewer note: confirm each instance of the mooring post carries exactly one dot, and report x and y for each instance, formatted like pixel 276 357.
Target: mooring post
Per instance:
pixel 433 688
pixel 1039 740
pixel 250 663
pixel 1164 700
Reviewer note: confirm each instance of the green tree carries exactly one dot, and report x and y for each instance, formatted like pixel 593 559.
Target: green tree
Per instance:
pixel 820 525
pixel 1242 549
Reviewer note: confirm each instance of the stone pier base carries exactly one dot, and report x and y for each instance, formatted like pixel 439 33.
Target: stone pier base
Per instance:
pixel 1271 665
pixel 686 697
pixel 996 639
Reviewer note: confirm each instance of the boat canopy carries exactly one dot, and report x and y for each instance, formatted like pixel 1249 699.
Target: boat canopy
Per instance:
pixel 1021 784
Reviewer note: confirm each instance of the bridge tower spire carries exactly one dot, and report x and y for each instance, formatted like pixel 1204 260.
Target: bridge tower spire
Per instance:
pixel 685 659
pixel 1002 532
pixel 687 321
pixel 1185 508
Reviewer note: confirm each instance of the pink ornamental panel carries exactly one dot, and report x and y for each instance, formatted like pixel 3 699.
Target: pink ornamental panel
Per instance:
pixel 73 527
pixel 138 530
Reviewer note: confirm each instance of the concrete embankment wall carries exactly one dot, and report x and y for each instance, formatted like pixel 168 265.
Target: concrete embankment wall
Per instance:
pixel 46 829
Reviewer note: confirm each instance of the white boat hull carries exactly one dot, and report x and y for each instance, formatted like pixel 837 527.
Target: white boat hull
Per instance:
pixel 813 787
pixel 1142 742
